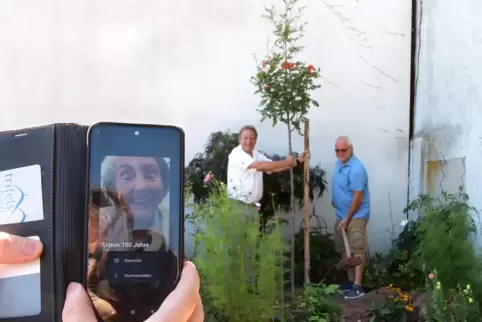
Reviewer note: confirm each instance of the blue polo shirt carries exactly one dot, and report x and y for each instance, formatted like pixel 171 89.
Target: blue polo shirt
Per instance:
pixel 349 177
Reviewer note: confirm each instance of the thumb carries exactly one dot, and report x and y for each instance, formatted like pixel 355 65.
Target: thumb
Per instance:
pixel 17 250
pixel 77 307
pixel 181 303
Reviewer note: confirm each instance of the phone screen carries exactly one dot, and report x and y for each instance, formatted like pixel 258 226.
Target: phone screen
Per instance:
pixel 135 220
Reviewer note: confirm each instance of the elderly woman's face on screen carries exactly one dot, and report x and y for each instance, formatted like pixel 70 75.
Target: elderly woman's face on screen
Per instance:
pixel 139 184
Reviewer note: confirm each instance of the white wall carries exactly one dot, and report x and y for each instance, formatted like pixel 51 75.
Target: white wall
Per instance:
pixel 189 62
pixel 449 96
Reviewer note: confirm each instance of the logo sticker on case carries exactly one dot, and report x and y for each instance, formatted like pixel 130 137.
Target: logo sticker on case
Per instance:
pixel 21 195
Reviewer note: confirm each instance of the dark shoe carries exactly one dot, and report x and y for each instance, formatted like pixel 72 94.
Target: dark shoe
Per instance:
pixel 355 292
pixel 346 287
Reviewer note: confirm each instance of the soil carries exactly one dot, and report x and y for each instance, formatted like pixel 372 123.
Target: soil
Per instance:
pixel 359 310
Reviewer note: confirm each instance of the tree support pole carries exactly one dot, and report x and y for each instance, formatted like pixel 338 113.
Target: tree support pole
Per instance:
pixel 307 200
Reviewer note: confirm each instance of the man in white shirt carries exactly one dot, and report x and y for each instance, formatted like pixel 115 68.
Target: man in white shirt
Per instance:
pixel 246 167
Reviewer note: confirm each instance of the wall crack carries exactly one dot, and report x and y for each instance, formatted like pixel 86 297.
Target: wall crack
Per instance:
pixel 385 74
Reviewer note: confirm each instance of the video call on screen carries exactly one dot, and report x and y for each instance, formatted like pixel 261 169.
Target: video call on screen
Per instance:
pixel 134 217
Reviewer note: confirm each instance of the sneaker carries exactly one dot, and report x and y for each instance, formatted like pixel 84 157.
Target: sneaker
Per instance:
pixel 346 287
pixel 355 292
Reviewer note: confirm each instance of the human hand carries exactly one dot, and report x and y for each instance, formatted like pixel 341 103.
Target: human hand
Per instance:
pixel 105 309
pixel 344 224
pixel 303 156
pixel 182 305
pixel 18 250
pixel 290 159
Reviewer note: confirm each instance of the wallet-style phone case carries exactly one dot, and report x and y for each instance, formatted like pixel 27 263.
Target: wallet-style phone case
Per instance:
pixel 42 195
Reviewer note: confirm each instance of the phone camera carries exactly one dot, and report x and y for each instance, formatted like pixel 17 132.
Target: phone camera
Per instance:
pixel 136 132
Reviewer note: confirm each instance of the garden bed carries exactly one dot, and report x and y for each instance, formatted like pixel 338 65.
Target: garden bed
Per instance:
pixel 361 309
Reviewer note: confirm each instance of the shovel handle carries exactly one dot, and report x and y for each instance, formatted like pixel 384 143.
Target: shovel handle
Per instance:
pixel 345 241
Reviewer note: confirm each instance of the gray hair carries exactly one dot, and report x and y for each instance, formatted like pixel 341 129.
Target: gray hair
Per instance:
pixel 248 127
pixel 346 139
pixel 108 174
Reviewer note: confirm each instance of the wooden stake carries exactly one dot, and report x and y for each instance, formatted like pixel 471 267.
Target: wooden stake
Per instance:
pixel 307 201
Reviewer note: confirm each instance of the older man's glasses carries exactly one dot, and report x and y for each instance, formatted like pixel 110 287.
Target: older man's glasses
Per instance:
pixel 341 150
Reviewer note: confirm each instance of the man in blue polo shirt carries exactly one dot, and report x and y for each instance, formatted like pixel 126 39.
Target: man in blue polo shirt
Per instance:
pixel 351 200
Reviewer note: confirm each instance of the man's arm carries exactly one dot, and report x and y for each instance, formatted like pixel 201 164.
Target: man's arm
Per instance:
pixel 300 160
pixel 245 161
pixel 355 204
pixel 272 166
pixel 358 180
pixel 282 169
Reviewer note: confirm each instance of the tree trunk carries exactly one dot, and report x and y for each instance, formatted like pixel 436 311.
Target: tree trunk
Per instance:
pixel 307 201
pixel 293 226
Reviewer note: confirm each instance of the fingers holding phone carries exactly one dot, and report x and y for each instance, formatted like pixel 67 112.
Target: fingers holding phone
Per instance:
pixel 18 250
pixel 184 303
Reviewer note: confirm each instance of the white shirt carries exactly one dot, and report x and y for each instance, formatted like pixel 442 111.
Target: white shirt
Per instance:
pixel 245 184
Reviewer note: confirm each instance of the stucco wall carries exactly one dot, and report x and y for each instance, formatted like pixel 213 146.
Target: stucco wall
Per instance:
pixel 448 110
pixel 188 63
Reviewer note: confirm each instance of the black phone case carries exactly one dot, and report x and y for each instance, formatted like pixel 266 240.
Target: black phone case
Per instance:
pixel 60 150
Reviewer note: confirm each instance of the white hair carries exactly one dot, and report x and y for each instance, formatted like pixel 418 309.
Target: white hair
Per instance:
pixel 346 139
pixel 107 177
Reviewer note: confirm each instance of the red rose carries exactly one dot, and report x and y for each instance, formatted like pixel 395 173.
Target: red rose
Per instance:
pixel 288 65
pixel 311 69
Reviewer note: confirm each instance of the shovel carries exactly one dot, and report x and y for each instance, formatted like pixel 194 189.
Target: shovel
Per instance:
pixel 349 261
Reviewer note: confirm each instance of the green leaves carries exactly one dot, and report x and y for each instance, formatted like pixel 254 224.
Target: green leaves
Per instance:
pixel 444 229
pixel 320 308
pixel 390 311
pixel 240 267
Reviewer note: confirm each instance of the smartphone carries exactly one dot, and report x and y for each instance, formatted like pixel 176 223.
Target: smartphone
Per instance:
pixel 135 217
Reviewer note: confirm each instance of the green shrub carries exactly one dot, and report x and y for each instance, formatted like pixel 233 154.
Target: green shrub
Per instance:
pixel 461 306
pixel 211 312
pixel 406 267
pixel 322 258
pixel 401 267
pixel 438 239
pixel 398 308
pixel 241 267
pixel 320 308
pixel 447 251
pixel 444 231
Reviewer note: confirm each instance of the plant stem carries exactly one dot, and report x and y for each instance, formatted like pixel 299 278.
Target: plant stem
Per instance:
pixel 307 202
pixel 282 272
pixel 293 229
pixel 292 185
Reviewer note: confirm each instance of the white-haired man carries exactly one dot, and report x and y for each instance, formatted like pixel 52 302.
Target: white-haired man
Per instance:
pixel 246 167
pixel 351 199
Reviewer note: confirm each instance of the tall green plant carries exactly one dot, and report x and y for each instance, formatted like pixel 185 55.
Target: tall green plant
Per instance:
pixel 241 267
pixel 445 247
pixel 285 84
pixel 445 226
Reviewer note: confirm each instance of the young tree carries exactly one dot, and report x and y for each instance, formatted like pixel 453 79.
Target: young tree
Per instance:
pixel 285 84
